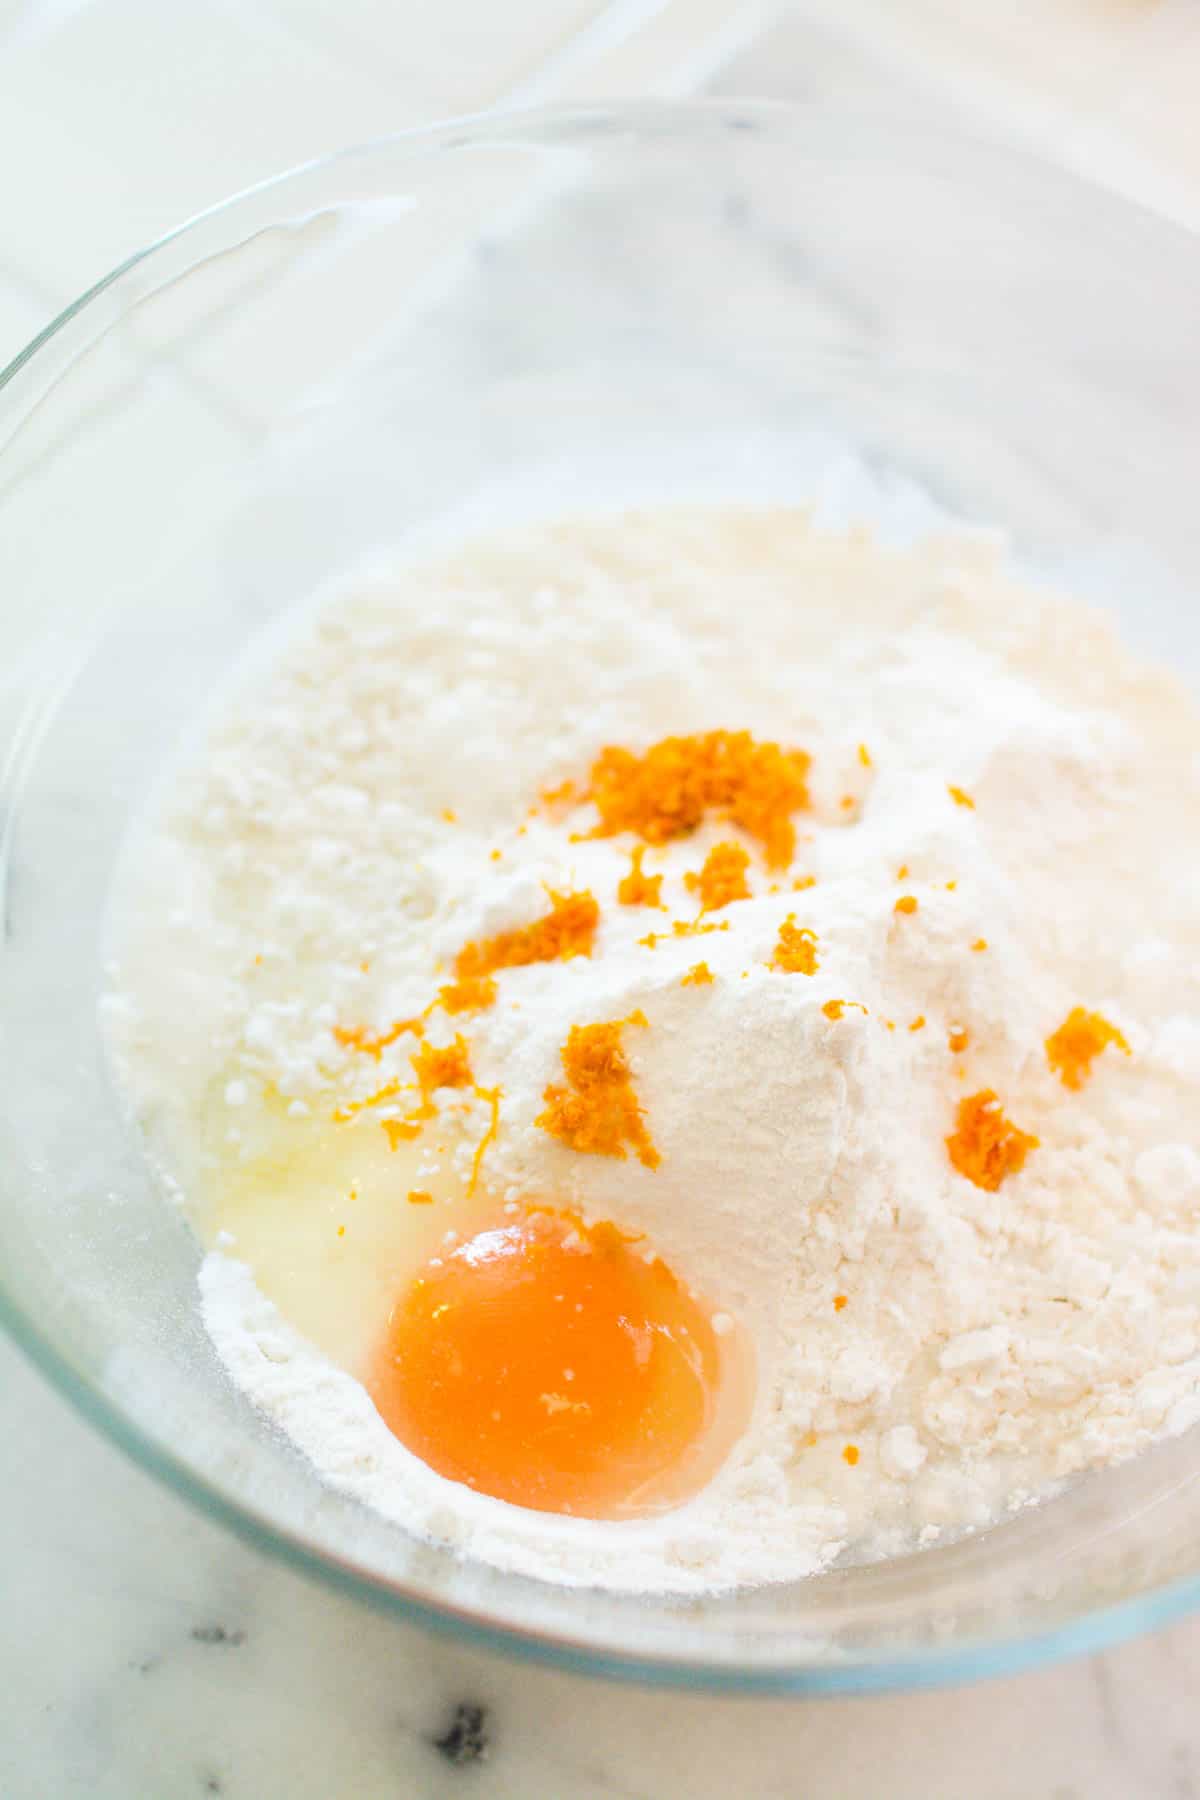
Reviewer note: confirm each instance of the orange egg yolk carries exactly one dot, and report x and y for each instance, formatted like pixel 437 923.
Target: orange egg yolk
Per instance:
pixel 551 1364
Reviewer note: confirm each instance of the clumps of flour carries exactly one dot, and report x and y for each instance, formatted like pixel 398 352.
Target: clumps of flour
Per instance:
pixel 363 809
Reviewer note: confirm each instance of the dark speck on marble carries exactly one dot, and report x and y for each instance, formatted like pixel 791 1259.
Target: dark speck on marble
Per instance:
pixel 465 1739
pixel 217 1634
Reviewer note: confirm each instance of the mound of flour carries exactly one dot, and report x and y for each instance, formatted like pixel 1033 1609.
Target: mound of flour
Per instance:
pixel 362 808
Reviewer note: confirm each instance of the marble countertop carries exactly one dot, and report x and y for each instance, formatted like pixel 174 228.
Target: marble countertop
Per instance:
pixel 146 1655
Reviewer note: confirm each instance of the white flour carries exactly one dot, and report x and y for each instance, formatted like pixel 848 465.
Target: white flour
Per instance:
pixel 988 1344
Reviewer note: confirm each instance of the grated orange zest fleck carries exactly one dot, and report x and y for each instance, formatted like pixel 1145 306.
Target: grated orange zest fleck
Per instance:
pixel 1076 1044
pixel 723 877
pixel 636 889
pixel 684 928
pixel 472 994
pixel 372 1043
pixel 985 1146
pixel 796 950
pixel 399 1131
pixel 441 1066
pixel 493 1097
pixel 667 791
pixel 568 929
pixel 597 1111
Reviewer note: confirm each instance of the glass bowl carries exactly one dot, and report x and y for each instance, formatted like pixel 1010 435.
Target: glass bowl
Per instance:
pixel 502 315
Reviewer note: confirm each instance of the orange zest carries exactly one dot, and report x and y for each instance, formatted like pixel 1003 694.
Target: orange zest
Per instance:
pixel 388 1091
pixel 796 950
pixel 492 1096
pixel 959 797
pixel 958 1039
pixel 419 1197
pixel 699 975
pixel 597 1111
pixel 723 877
pixel 833 1009
pixel 1076 1044
pixel 683 928
pixel 435 1066
pixel 371 1043
pixel 568 929
pixel 667 791
pixel 850 1454
pixel 399 1131
pixel 907 903
pixel 472 994
pixel 985 1146
pixel 445 1066
pixel 636 889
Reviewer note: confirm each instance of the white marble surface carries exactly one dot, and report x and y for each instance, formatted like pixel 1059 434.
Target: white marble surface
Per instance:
pixel 145 1655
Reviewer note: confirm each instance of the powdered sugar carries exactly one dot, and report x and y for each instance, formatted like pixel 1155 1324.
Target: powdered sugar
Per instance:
pixel 984 1345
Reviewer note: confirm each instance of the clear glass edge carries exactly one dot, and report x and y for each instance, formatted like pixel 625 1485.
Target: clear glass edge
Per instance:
pixel 973 1661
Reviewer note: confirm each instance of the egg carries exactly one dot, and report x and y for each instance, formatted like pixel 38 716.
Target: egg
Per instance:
pixel 551 1363
pixel 546 1360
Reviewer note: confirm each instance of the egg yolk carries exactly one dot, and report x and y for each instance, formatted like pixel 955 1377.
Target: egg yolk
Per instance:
pixel 551 1364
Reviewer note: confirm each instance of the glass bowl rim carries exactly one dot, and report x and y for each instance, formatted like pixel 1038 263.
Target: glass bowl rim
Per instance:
pixel 791 1675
